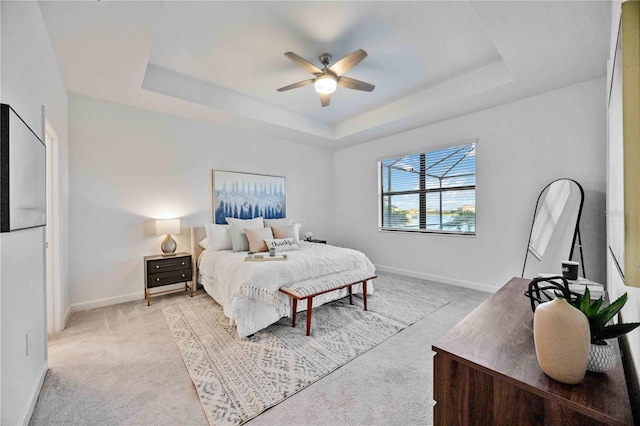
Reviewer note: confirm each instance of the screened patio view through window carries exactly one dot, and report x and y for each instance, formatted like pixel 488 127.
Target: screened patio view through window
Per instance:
pixel 432 191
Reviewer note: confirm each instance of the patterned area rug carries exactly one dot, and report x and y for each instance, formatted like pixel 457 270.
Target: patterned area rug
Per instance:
pixel 237 379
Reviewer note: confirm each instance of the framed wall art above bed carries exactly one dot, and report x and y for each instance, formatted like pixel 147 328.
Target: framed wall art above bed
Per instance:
pixel 248 195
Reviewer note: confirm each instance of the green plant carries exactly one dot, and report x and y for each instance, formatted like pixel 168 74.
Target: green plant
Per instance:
pixel 599 316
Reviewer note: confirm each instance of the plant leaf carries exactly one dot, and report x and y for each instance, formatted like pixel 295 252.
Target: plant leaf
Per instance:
pixel 610 311
pixel 595 306
pixel 616 330
pixel 585 301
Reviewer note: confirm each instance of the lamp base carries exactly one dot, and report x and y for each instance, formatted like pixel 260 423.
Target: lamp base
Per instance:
pixel 168 246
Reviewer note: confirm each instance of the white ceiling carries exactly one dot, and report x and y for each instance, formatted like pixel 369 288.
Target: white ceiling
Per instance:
pixel 223 61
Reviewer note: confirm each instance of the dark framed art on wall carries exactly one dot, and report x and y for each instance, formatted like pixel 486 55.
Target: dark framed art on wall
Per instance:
pixel 22 174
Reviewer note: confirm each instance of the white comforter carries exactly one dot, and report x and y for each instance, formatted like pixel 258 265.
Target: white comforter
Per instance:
pixel 243 288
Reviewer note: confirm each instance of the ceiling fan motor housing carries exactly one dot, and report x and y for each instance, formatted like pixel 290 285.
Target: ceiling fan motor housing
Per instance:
pixel 325 58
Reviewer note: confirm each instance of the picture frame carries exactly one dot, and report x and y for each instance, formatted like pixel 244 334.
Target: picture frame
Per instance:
pixel 23 182
pixel 247 195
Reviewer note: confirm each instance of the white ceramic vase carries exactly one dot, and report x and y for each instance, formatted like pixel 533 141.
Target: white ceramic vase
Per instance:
pixel 562 340
pixel 601 358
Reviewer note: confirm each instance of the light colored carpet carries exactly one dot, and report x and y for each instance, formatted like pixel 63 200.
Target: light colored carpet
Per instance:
pixel 120 365
pixel 237 379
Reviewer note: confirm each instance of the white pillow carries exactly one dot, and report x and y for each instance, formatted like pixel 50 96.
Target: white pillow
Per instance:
pixel 278 222
pixel 218 236
pixel 256 222
pixel 284 244
pixel 204 243
pixel 239 241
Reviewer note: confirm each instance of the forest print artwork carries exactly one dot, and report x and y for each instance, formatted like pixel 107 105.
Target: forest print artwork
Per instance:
pixel 247 195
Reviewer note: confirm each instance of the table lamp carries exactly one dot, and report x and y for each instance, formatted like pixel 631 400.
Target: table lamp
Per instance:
pixel 168 227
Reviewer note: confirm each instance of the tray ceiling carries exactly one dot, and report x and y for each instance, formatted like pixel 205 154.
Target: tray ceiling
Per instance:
pixel 223 61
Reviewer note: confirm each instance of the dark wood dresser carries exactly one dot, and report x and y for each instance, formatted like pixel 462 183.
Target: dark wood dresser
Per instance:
pixel 486 373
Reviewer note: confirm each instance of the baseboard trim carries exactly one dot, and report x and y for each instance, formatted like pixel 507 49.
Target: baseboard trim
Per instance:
pixel 437 278
pixel 107 301
pixel 35 393
pixel 66 317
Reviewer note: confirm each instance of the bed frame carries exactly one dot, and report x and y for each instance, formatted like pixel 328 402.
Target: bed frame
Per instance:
pixel 196 234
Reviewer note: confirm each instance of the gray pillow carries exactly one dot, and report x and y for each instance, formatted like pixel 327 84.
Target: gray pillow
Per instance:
pixel 239 240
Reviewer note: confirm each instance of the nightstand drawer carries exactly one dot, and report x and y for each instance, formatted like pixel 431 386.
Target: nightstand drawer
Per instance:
pixel 167 264
pixel 171 277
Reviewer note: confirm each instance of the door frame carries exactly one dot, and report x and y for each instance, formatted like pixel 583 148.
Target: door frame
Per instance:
pixel 55 317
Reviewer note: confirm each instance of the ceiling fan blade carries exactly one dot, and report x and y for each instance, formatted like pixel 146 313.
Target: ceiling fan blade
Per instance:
pixel 296 85
pixel 348 62
pixel 325 98
pixel 352 83
pixel 303 63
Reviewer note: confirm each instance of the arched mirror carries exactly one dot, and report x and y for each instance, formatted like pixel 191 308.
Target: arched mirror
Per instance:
pixel 555 230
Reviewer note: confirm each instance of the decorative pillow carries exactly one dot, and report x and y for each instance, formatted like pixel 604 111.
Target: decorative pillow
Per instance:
pixel 218 237
pixel 256 222
pixel 278 222
pixel 296 232
pixel 239 241
pixel 204 243
pixel 292 231
pixel 256 238
pixel 284 244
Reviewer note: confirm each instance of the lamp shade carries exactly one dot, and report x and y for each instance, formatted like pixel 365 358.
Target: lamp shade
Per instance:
pixel 167 226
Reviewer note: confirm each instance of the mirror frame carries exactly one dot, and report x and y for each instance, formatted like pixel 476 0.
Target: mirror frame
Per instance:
pixel 576 232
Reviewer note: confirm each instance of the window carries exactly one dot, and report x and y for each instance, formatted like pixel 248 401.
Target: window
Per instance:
pixel 431 191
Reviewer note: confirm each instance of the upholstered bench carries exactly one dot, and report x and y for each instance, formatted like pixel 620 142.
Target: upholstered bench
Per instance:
pixel 308 289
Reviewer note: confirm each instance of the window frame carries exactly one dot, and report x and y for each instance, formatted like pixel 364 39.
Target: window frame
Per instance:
pixel 423 191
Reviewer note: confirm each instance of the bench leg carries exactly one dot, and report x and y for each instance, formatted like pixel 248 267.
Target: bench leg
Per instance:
pixel 364 293
pixel 294 309
pixel 351 294
pixel 309 310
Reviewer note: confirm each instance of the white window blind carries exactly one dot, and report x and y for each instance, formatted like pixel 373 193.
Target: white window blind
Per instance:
pixel 432 191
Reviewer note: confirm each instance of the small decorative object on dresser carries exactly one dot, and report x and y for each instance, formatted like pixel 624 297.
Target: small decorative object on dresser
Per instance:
pixel 168 227
pixel 602 356
pixel 160 270
pixel 561 336
pixel 308 235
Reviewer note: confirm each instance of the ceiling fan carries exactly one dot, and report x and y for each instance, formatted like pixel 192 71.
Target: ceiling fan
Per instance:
pixel 327 79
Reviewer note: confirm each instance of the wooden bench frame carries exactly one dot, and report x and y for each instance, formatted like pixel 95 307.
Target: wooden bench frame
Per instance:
pixel 295 297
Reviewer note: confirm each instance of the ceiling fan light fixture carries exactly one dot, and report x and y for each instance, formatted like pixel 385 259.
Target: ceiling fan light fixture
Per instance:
pixel 325 84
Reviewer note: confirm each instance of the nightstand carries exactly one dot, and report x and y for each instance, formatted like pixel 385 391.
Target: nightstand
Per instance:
pixel 313 240
pixel 164 270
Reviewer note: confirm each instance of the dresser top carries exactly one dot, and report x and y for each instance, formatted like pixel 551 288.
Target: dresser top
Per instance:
pixel 497 338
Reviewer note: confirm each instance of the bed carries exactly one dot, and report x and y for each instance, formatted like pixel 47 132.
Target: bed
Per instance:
pixel 249 291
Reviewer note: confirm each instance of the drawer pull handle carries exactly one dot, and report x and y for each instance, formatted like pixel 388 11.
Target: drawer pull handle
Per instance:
pixel 158 279
pixel 183 263
pixel 157 266
pixel 183 275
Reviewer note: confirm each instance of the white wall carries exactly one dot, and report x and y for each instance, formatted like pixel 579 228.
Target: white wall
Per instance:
pixel 129 166
pixel 30 78
pixel 521 147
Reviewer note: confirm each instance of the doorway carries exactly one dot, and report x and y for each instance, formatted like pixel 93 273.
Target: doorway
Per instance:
pixel 55 318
